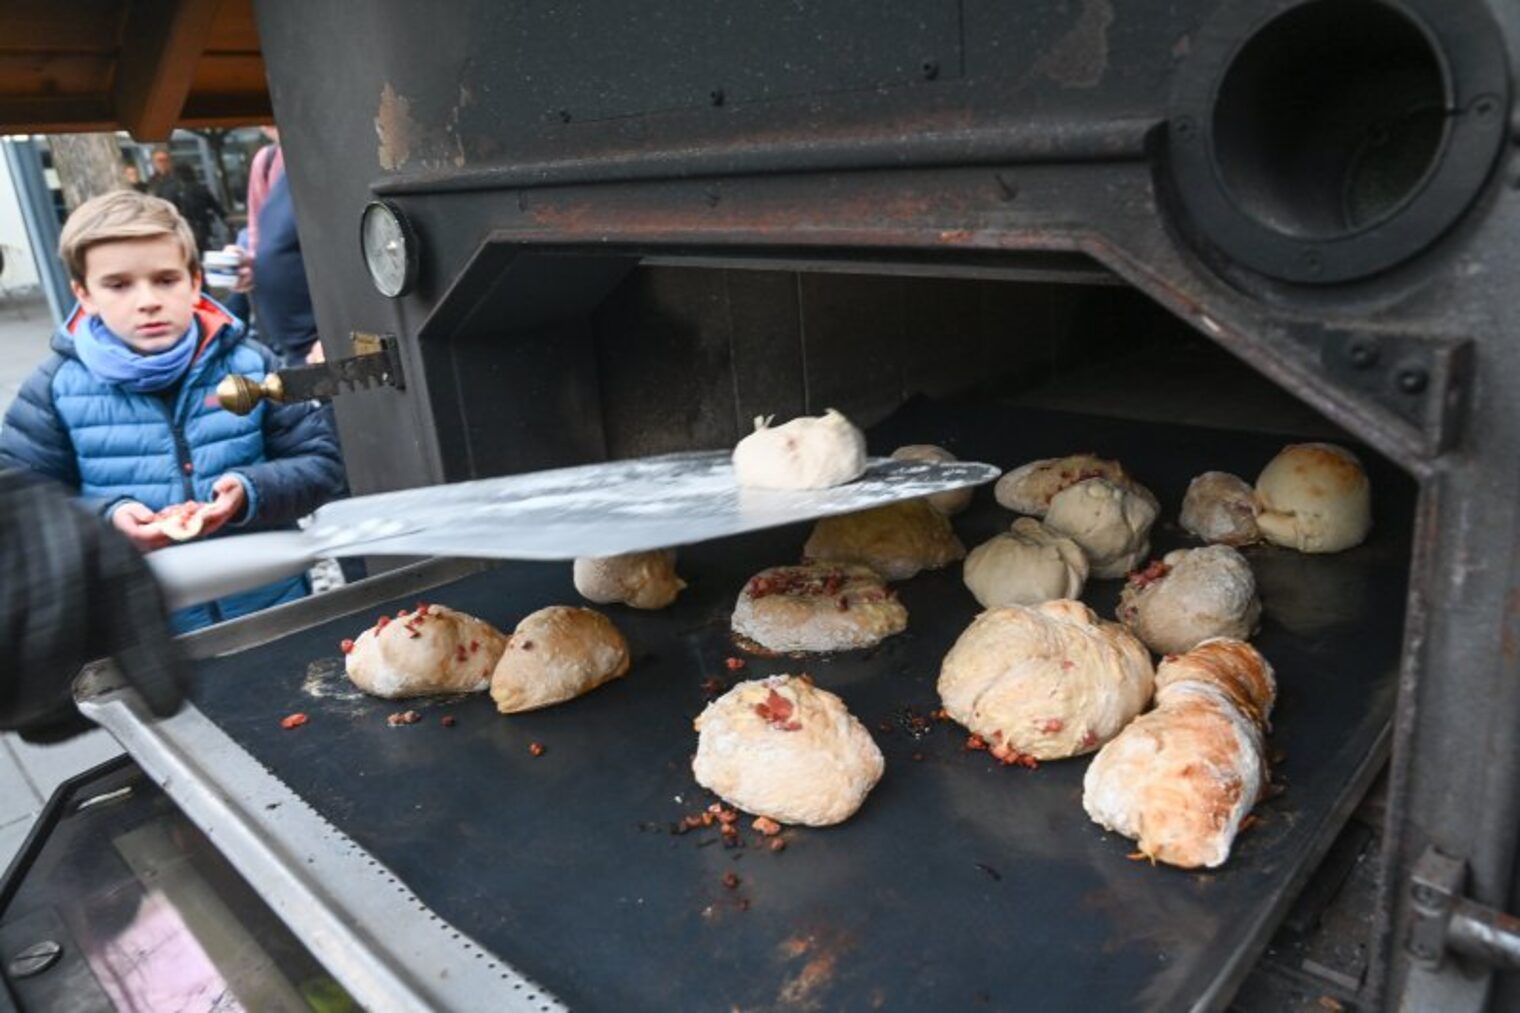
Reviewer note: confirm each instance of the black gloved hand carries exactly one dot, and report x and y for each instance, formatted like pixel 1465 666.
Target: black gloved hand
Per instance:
pixel 72 590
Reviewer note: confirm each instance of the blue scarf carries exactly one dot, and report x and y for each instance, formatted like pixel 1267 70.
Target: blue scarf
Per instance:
pixel 114 361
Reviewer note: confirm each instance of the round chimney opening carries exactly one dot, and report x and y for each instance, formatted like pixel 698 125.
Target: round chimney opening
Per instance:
pixel 1331 118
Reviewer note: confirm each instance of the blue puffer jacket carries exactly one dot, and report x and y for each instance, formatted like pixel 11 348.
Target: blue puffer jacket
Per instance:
pixel 113 445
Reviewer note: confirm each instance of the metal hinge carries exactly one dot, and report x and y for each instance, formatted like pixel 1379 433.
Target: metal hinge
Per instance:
pixel 376 362
pixel 1443 920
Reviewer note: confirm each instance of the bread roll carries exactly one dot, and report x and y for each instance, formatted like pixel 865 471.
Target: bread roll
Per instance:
pixel 556 654
pixel 433 649
pixel 1191 595
pixel 1181 779
pixel 1047 681
pixel 1314 497
pixel 641 580
pixel 1029 488
pixel 1221 508
pixel 1024 566
pixel 896 540
pixel 805 453
pixel 818 607
pixel 783 748
pixel 948 503
pixel 1111 522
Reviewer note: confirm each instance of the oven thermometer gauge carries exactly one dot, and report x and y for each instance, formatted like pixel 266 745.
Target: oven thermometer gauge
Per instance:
pixel 390 248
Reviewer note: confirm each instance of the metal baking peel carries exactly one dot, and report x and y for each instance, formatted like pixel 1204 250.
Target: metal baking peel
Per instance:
pixel 590 510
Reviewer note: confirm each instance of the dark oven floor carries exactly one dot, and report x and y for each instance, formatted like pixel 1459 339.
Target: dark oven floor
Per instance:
pixel 959 884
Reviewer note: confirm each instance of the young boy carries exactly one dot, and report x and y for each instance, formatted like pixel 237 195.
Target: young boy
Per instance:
pixel 123 411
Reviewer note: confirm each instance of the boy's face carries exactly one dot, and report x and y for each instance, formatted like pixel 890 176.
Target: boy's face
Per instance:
pixel 142 289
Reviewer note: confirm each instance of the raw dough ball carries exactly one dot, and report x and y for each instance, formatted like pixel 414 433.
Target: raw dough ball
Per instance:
pixel 1029 488
pixel 1190 596
pixel 805 453
pixel 1047 681
pixel 1111 522
pixel 1314 497
pixel 1181 779
pixel 783 748
pixel 431 650
pixel 818 607
pixel 642 580
pixel 1220 507
pixel 556 654
pixel 1025 566
pixel 896 540
pixel 948 503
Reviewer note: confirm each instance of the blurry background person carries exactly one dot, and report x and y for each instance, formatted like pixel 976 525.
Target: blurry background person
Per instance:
pixel 177 185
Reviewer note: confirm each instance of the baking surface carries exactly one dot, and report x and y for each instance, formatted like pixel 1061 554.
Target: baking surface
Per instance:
pixel 960 883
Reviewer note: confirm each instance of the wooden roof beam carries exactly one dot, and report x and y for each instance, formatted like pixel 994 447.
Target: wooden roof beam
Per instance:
pixel 161 44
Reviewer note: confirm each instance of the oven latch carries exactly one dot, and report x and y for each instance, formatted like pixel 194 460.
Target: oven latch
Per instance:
pixel 1442 919
pixel 376 363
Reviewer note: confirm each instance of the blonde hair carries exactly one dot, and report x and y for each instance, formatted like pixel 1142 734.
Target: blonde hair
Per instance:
pixel 122 214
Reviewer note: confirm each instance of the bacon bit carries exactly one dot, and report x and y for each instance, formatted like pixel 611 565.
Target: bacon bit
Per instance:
pixel 723 814
pixel 382 622
pixel 1089 738
pixel 711 686
pixel 1140 856
pixel 1050 725
pixel 536 748
pixel 777 710
pixel 403 718
pixel 346 646
pixel 460 654
pixel 1009 757
pixel 526 645
pixel 447 721
pixel 1251 820
pixel 474 646
pixel 795 581
pixel 940 714
pixel 1067 664
pixel 730 880
pixel 422 608
pixel 690 823
pixel 295 720
pixel 776 844
pixel 1141 579
pixel 730 835
pixel 734 664
pixel 766 826
pixel 975 742
pixel 401 613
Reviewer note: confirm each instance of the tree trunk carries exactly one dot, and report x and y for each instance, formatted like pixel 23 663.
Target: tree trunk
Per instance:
pixel 88 165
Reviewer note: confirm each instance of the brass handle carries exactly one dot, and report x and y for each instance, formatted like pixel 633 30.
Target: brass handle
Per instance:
pixel 242 394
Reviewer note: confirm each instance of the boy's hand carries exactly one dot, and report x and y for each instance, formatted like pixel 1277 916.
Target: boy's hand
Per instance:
pixel 230 502
pixel 134 520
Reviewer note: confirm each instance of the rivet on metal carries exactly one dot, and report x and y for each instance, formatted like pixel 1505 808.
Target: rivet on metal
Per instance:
pixel 1413 380
pixel 564 116
pixel 34 959
pixel 1485 106
pixel 1362 353
pixel 1313 262
pixel 930 69
pixel 717 96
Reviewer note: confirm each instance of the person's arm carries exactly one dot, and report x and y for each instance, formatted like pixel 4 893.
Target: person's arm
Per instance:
pixel 302 468
pixel 33 435
pixel 71 591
